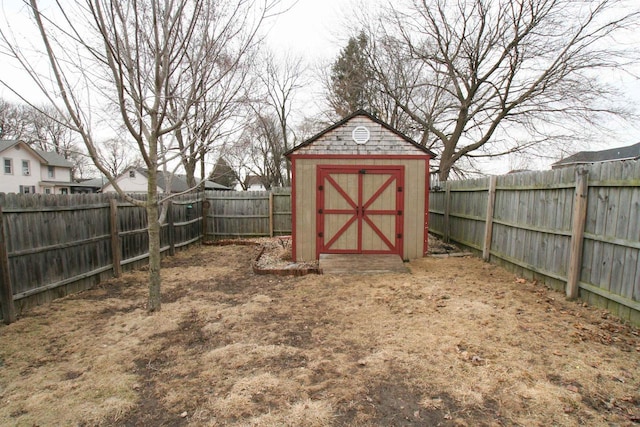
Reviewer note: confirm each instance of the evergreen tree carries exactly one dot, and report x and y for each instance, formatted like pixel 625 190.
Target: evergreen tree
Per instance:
pixel 351 85
pixel 223 174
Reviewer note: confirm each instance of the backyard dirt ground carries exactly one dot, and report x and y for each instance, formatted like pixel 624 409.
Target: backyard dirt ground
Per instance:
pixel 457 342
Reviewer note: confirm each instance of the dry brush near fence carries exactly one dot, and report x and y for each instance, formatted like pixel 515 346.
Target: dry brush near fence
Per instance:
pixel 578 230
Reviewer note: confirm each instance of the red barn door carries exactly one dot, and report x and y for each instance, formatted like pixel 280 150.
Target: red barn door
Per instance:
pixel 360 209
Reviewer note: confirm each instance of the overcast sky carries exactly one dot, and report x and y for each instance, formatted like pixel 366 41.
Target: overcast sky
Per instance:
pixel 317 30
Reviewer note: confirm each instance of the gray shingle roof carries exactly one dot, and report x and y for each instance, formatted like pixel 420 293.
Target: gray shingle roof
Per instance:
pixel 621 153
pixel 179 182
pixel 54 159
pixel 51 159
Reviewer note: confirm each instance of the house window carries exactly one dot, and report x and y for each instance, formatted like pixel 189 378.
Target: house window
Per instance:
pixel 47 191
pixel 64 191
pixel 26 169
pixel 27 189
pixel 8 166
pixel 132 174
pixel 51 171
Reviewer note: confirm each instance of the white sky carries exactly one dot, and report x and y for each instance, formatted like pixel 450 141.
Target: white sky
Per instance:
pixel 317 30
pixel 309 28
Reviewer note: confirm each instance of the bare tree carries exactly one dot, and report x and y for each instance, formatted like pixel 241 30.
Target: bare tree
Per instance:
pixel 224 74
pixel 263 139
pixel 13 120
pixel 116 156
pixel 475 76
pixel 281 79
pixel 134 56
pixel 269 129
pixel 43 128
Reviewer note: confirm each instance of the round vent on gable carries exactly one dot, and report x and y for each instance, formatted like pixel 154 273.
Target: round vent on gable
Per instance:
pixel 360 135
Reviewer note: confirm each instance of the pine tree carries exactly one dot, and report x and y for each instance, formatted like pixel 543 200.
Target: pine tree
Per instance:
pixel 223 174
pixel 351 86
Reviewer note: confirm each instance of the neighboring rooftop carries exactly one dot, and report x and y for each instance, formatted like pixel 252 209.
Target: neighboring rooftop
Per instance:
pixel 174 183
pixel 50 158
pixel 631 152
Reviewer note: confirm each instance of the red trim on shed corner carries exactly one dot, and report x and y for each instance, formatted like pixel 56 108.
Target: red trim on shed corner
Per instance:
pixel 427 189
pixel 293 210
pixel 319 225
pixel 400 218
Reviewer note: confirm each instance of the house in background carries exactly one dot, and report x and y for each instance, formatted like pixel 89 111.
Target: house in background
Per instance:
pixel 93 185
pixel 27 170
pixel 134 180
pixel 632 152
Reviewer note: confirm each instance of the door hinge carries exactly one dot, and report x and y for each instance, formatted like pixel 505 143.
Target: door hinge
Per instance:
pixel 320 188
pixel 399 235
pixel 319 211
pixel 399 189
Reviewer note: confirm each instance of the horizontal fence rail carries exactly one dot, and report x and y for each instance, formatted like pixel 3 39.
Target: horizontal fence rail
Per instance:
pixel 576 229
pixel 235 214
pixel 54 245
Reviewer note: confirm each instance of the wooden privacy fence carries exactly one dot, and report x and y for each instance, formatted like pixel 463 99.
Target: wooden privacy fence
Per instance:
pixel 578 230
pixel 53 245
pixel 233 214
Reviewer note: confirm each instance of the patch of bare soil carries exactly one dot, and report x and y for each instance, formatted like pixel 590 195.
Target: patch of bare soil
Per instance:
pixel 457 342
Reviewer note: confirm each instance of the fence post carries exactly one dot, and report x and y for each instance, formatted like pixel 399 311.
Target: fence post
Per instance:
pixel 171 225
pixel 6 290
pixel 271 213
pixel 116 256
pixel 577 232
pixel 488 225
pixel 447 208
pixel 205 215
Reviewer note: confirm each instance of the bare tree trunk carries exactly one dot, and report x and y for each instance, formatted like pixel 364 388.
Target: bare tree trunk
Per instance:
pixel 154 243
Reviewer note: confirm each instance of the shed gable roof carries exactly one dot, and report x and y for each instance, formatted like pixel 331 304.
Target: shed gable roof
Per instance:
pixel 337 139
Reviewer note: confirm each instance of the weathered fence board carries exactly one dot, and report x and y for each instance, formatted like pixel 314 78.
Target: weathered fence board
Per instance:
pixel 234 214
pixel 532 224
pixel 59 244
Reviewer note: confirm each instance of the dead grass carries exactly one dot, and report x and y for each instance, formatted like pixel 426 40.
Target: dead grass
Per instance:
pixel 456 342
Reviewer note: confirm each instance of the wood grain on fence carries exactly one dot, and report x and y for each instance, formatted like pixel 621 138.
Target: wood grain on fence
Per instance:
pixel 533 220
pixel 235 214
pixel 59 244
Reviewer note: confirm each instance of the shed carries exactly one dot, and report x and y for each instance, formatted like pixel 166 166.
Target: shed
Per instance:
pixel 359 187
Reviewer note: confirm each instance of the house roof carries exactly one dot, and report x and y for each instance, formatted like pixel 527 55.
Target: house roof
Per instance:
pixel 91 183
pixel 177 182
pixel 54 159
pixel 351 116
pixel 630 152
pixel 48 158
